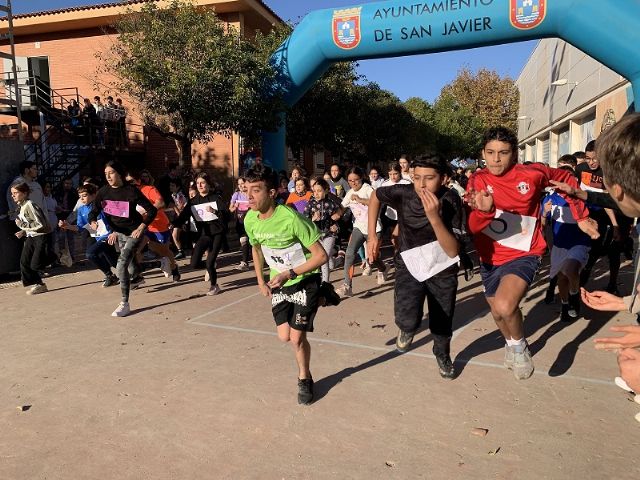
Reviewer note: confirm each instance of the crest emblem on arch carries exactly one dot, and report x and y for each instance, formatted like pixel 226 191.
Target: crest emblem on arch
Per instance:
pixel 527 14
pixel 346 28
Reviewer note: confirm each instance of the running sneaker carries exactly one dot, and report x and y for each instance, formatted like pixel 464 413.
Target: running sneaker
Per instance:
pixel 242 267
pixel 381 277
pixel 366 269
pixel 509 353
pixel 442 352
pixel 122 310
pixel 403 341
pixel 214 290
pixel 175 275
pixel 565 315
pixel 522 363
pixel 179 255
pixel 165 266
pixel 345 291
pixel 574 305
pixel 136 282
pixel 37 289
pixel 110 280
pixel 305 391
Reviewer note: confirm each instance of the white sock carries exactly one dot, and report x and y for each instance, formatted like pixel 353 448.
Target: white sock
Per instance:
pixel 513 343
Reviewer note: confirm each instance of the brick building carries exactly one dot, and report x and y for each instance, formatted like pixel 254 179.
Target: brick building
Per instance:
pixel 59 48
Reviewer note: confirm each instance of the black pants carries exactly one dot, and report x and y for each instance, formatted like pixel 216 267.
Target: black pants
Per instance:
pixel 208 244
pixel 35 256
pixel 409 295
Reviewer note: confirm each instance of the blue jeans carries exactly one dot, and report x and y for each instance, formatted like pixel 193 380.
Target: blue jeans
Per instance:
pixel 127 266
pixel 103 256
pixel 357 240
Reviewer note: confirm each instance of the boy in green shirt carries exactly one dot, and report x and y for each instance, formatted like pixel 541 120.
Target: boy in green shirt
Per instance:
pixel 289 243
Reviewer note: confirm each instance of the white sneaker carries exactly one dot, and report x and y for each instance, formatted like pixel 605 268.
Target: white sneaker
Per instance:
pixel 345 291
pixel 366 270
pixel 522 364
pixel 242 267
pixel 36 289
pixel 165 266
pixel 206 276
pixel 214 290
pixel 381 278
pixel 122 310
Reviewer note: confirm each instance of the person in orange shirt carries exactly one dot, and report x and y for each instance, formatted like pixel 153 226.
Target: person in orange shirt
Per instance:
pixel 299 198
pixel 158 234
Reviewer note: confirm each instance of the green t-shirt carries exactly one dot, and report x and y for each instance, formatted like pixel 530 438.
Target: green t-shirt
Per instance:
pixel 284 238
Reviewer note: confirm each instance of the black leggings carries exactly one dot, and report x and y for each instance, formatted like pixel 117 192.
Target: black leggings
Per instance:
pixel 208 244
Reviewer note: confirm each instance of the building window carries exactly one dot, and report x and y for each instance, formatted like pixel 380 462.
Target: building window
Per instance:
pixel 564 142
pixel 545 150
pixel 587 130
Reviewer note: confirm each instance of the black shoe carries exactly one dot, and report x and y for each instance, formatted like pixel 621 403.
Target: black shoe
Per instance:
pixel 574 305
pixel 305 391
pixel 329 294
pixel 136 282
pixel 110 280
pixel 175 274
pixel 403 342
pixel 442 352
pixel 179 255
pixel 564 316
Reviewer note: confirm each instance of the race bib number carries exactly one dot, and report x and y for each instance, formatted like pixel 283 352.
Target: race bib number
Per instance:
pixel 512 230
pixel 102 229
pixel 201 212
pixel 284 259
pixel 425 261
pixel 116 208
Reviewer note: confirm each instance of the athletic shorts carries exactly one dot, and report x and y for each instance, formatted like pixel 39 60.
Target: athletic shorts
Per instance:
pixel 297 305
pixel 159 237
pixel 523 267
pixel 560 257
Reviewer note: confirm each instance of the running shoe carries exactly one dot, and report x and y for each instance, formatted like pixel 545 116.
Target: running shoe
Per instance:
pixel 110 280
pixel 345 291
pixel 565 315
pixel 242 267
pixel 305 391
pixel 329 294
pixel 175 275
pixel 381 278
pixel 136 282
pixel 165 266
pixel 442 352
pixel 509 353
pixel 37 289
pixel 122 310
pixel 366 269
pixel 522 363
pixel 403 341
pixel 179 255
pixel 574 305
pixel 214 290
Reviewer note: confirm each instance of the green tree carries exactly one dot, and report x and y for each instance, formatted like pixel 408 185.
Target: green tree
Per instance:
pixel 423 136
pixel 191 75
pixel 458 129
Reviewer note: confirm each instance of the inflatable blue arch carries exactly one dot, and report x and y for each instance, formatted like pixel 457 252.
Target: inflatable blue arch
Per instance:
pixel 608 31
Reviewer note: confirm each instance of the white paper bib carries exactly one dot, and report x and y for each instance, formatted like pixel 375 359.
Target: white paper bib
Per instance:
pixel 284 259
pixel 201 212
pixel 512 230
pixel 425 261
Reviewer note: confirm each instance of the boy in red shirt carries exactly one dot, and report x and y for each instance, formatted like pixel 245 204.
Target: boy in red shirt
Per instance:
pixel 505 221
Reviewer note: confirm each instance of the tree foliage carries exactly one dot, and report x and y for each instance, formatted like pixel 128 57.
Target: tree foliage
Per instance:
pixel 191 76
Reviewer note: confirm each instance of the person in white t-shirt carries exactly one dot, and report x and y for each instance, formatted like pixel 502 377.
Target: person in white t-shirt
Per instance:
pixel 357 199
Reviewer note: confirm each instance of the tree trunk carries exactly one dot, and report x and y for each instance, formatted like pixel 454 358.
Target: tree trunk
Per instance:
pixel 184 149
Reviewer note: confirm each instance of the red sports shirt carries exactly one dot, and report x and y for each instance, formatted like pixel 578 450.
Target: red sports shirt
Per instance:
pixel 513 229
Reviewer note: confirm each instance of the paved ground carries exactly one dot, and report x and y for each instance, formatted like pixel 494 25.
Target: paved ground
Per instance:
pixel 199 387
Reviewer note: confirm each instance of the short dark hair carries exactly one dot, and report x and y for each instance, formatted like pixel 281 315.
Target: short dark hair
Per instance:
pixel 619 154
pixel 591 146
pixel 88 188
pixel 394 167
pixel 355 171
pixel 580 155
pixel 568 159
pixel 118 167
pixel 261 173
pixel 24 165
pixel 322 183
pixel 305 180
pixel 21 187
pixel 431 161
pixel 502 134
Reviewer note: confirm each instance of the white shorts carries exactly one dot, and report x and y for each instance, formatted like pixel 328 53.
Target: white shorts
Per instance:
pixel 560 257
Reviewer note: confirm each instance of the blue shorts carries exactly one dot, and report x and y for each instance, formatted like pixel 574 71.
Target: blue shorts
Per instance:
pixel 159 237
pixel 523 267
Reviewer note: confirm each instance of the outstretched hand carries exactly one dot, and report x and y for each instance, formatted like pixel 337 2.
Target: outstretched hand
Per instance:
pixel 602 301
pixel 630 339
pixel 481 201
pixel 590 227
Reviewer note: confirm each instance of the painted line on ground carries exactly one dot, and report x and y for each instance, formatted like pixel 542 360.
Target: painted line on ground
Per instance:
pixel 466 324
pixel 219 309
pixel 477 363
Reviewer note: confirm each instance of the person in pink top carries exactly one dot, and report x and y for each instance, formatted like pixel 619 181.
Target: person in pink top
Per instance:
pixel 505 222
